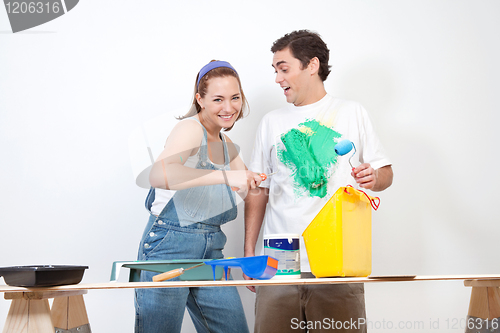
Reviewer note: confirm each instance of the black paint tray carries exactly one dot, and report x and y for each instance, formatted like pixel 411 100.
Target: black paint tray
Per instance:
pixel 42 276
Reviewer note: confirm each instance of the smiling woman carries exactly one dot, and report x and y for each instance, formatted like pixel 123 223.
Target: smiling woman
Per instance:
pixel 217 70
pixel 218 102
pixel 221 103
pixel 189 200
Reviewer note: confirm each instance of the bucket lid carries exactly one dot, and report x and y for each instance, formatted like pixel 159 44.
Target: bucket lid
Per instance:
pixel 281 236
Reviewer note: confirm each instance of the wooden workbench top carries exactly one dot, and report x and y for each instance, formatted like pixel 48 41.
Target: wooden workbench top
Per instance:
pixel 173 284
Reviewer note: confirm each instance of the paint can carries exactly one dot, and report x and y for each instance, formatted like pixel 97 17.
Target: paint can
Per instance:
pixel 284 248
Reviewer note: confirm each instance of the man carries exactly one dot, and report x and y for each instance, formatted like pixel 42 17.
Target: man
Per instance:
pixel 296 142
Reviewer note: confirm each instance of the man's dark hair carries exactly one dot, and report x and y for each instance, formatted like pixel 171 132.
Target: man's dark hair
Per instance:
pixel 305 45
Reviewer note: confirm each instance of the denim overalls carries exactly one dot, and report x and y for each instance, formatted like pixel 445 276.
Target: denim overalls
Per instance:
pixel 189 228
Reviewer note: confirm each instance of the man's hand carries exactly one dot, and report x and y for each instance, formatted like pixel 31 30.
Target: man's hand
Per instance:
pixel 251 288
pixel 370 179
pixel 365 176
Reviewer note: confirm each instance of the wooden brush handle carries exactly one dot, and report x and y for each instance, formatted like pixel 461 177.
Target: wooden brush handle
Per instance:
pixel 168 275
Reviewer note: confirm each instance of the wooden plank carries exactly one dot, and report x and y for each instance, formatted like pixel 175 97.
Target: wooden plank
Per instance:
pixel 17 319
pixel 176 284
pixel 39 319
pixel 482 283
pixel 43 294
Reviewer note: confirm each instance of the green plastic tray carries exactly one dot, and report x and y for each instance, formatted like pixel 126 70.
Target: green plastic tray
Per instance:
pixel 160 266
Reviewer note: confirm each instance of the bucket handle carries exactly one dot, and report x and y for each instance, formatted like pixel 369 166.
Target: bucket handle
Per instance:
pixel 375 202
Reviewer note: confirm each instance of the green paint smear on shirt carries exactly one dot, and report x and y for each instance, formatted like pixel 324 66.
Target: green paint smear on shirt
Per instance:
pixel 310 153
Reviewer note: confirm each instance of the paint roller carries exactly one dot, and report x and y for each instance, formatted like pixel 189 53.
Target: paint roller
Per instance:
pixel 258 267
pixel 344 147
pixel 173 273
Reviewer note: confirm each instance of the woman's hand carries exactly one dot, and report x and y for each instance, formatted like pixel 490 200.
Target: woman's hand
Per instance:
pixel 243 181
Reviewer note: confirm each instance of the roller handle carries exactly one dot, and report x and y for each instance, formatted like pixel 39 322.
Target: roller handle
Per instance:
pixel 168 275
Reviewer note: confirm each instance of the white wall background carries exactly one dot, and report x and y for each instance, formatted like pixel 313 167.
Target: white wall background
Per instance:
pixel 74 89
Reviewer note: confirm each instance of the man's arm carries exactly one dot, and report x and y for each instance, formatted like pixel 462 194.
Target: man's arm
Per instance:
pixel 370 179
pixel 255 208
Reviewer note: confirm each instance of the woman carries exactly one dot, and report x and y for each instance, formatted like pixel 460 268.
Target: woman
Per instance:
pixel 201 164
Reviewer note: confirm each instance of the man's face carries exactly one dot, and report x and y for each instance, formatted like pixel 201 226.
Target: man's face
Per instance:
pixel 295 81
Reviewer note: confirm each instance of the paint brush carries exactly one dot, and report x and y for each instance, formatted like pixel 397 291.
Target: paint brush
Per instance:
pixel 263 176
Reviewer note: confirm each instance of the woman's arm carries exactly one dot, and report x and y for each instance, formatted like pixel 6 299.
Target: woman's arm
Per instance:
pixel 169 171
pixel 238 164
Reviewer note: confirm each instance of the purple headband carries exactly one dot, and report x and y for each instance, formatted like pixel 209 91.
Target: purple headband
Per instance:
pixel 212 65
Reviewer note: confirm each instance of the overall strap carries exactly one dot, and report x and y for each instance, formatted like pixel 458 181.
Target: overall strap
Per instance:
pixel 203 147
pixel 226 164
pixel 226 151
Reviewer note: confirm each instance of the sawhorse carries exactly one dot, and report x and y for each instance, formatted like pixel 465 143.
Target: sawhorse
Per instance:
pixel 484 306
pixel 30 312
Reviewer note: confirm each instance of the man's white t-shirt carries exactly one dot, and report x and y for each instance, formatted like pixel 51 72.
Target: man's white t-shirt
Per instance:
pixel 296 142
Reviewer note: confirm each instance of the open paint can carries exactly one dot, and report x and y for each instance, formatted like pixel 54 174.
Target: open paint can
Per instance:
pixel 285 248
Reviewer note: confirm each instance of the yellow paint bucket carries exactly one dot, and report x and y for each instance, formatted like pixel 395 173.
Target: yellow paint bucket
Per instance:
pixel 339 239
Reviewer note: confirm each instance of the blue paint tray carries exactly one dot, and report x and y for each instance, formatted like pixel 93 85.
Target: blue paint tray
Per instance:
pixel 160 266
pixel 258 267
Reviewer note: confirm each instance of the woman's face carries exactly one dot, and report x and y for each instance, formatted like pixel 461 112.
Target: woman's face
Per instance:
pixel 222 103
